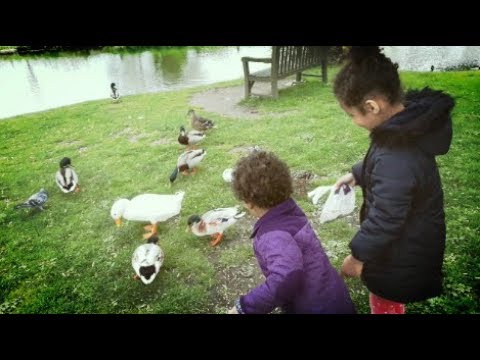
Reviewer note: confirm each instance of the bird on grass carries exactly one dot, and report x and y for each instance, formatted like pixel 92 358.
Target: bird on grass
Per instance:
pixel 37 200
pixel 190 138
pixel 147 260
pixel 188 161
pixel 66 178
pixel 214 223
pixel 198 122
pixel 154 208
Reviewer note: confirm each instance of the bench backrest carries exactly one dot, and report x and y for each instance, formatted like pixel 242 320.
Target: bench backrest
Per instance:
pixel 287 60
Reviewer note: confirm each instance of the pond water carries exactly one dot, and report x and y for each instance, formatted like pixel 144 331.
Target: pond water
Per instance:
pixel 36 83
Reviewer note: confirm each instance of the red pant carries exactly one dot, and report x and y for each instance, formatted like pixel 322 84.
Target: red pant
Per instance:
pixel 380 305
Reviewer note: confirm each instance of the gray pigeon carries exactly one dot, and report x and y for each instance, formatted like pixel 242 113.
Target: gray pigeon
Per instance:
pixel 35 201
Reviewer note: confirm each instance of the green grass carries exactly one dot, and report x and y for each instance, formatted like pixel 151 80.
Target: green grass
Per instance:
pixel 72 259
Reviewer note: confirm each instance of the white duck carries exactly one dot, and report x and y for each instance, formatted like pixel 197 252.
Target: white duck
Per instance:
pixel 148 207
pixel 147 260
pixel 214 222
pixel 66 178
pixel 189 160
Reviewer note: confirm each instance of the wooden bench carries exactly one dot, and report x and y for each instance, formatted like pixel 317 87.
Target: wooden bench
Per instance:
pixel 286 61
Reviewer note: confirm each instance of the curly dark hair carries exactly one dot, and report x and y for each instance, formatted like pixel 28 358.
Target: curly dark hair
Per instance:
pixel 367 72
pixel 262 179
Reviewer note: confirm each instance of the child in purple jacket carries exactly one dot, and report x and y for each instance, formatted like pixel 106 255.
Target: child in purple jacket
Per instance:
pixel 299 276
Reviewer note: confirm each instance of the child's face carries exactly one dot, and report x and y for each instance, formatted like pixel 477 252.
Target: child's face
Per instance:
pixel 255 210
pixel 375 112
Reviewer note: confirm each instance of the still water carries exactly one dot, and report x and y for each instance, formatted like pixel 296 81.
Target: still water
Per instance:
pixel 37 83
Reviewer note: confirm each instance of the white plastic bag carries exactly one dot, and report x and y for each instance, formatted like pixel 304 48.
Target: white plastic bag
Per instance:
pixel 340 202
pixel 317 193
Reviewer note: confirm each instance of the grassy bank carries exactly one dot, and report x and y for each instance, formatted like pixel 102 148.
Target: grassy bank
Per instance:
pixel 72 259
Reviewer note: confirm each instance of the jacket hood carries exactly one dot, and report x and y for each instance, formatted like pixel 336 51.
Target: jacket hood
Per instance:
pixel 425 122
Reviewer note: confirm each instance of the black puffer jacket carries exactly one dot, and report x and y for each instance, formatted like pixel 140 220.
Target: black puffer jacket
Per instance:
pixel 402 236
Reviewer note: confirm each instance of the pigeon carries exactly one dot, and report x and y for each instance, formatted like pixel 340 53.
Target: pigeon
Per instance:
pixel 35 201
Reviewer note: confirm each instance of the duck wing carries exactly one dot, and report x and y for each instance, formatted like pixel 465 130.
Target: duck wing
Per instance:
pixel 222 215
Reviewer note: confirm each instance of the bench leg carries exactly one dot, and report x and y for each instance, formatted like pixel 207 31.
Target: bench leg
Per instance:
pixel 299 77
pixel 248 88
pixel 275 88
pixel 324 71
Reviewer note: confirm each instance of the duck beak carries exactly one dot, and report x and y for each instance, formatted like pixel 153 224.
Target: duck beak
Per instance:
pixel 118 222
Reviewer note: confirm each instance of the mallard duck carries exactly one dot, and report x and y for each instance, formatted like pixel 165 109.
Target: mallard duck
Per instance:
pixel 198 122
pixel 147 207
pixel 66 178
pixel 214 223
pixel 189 160
pixel 147 260
pixel 37 200
pixel 190 138
pixel 114 95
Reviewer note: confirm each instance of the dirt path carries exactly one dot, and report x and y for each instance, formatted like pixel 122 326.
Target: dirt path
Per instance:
pixel 224 101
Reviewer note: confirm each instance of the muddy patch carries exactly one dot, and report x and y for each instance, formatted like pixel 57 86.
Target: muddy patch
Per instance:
pixel 233 278
pixel 225 101
pixel 244 150
pixel 301 182
pixel 132 135
pixel 159 142
pixel 68 143
pixel 236 278
pixel 135 138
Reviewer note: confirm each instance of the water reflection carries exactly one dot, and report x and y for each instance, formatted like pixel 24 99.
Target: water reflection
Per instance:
pixel 39 83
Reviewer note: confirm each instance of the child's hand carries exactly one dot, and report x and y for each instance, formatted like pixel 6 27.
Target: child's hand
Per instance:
pixel 233 310
pixel 348 179
pixel 351 267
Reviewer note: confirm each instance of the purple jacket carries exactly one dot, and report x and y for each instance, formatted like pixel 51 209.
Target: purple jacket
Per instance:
pixel 299 276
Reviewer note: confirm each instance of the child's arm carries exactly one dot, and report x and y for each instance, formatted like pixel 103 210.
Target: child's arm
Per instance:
pixel 392 184
pixel 285 267
pixel 357 173
pixel 353 178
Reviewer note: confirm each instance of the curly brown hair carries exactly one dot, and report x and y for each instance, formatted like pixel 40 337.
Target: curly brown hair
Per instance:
pixel 262 179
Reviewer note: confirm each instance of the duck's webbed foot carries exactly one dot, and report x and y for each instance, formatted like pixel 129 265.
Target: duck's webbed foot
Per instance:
pixel 217 239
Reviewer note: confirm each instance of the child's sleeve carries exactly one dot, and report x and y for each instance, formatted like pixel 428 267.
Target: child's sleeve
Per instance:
pixel 392 184
pixel 357 173
pixel 284 264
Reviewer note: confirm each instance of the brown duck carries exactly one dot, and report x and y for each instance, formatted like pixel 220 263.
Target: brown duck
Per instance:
pixel 198 122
